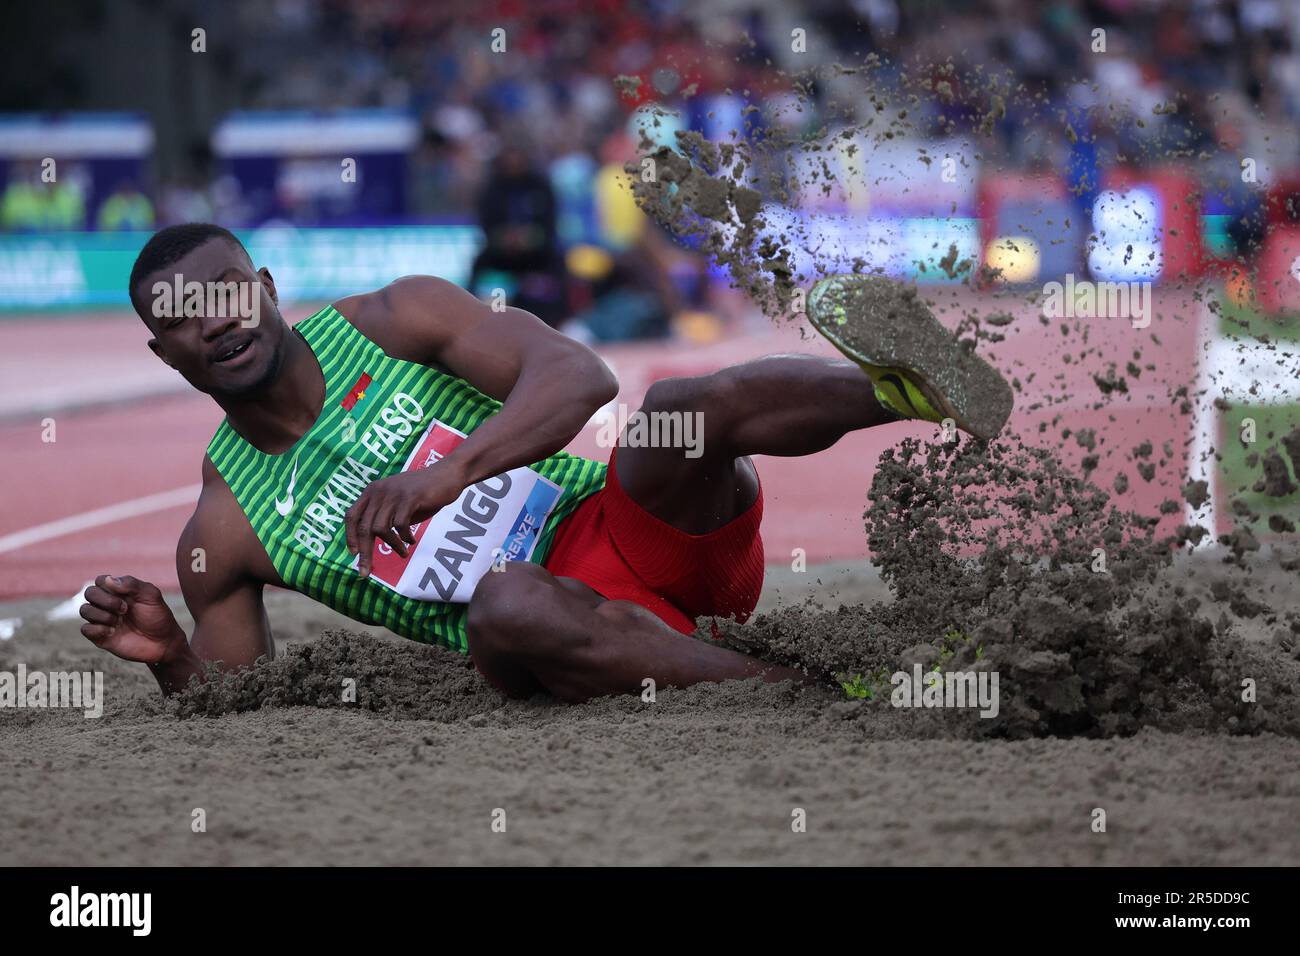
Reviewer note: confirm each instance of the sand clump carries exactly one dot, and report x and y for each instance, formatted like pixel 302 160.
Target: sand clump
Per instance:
pixel 349 671
pixel 1002 559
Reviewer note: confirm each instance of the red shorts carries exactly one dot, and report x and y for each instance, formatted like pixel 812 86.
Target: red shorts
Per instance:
pixel 625 553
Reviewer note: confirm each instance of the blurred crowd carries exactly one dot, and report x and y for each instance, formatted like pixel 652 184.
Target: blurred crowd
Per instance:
pixel 528 136
pixel 1234 64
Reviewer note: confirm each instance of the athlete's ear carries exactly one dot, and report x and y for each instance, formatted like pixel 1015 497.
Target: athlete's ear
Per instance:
pixel 269 284
pixel 158 351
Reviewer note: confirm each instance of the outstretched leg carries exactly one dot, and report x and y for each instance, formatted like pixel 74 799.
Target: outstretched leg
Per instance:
pixel 781 405
pixel 530 631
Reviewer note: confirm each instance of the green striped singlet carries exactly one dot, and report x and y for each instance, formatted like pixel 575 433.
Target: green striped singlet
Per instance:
pixel 383 415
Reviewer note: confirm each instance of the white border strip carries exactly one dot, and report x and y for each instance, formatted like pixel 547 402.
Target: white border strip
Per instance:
pixel 35 137
pixel 162 501
pixel 298 135
pixel 1201 462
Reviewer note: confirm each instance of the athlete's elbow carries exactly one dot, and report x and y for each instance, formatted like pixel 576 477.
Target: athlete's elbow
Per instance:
pixel 577 374
pixel 604 384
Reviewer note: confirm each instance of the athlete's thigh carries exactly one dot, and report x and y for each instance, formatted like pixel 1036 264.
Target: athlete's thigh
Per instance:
pixel 695 488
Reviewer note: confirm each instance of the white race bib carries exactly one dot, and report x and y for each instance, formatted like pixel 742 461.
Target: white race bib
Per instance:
pixel 496 520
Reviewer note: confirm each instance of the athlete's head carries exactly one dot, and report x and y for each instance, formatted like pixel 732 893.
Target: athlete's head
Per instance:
pixel 213 314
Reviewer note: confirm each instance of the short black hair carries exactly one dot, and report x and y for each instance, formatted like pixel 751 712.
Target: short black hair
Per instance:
pixel 171 245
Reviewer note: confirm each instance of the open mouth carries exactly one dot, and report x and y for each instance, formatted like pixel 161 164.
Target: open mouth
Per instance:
pixel 234 351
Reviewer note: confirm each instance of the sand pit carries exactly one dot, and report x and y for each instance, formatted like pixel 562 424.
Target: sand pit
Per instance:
pixel 412 772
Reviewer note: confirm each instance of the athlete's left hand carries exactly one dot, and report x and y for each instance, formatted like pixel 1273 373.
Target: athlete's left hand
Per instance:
pixel 389 507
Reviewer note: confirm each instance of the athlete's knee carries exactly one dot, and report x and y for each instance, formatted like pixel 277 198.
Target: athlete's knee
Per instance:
pixel 500 601
pixel 671 395
pixel 522 613
pixel 714 391
pixel 703 407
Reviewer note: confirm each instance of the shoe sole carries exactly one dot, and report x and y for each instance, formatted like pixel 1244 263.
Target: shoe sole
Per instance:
pixel 875 323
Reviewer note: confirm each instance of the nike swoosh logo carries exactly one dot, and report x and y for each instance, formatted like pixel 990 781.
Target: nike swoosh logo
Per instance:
pixel 284 507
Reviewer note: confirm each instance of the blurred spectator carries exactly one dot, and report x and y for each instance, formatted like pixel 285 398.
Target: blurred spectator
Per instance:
pixel 29 204
pixel 184 200
pixel 126 209
pixel 517 213
pixel 430 172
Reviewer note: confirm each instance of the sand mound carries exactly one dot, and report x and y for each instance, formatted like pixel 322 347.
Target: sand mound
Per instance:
pixel 350 671
pixel 1004 561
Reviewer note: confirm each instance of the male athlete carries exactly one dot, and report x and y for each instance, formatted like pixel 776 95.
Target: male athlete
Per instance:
pixel 398 456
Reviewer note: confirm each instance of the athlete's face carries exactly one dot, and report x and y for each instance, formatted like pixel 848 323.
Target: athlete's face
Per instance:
pixel 215 319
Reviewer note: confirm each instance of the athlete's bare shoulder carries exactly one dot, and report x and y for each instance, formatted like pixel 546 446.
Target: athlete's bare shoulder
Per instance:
pixel 218 538
pixel 413 317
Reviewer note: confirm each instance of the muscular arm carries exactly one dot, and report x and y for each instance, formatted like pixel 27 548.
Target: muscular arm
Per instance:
pixel 549 386
pixel 219 580
pixel 230 622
